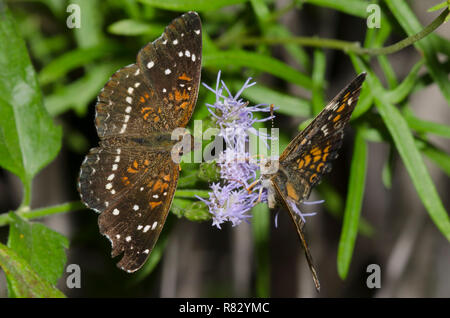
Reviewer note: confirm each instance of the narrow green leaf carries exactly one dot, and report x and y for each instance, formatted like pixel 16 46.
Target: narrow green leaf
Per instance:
pixel 22 280
pixel 411 25
pixel 353 7
pixel 41 247
pixel 28 138
pixel 296 51
pixel 438 156
pixel 63 64
pixel 412 159
pixel 261 232
pixel 357 178
pixel 404 89
pixel 288 105
pixel 80 93
pixel 365 102
pixel 335 207
pixel 424 126
pixel 318 78
pixel 256 61
pixel 195 5
pixel 439 6
pixel 90 32
pixel 135 27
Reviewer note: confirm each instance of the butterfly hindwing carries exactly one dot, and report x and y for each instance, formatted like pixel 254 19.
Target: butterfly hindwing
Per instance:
pixel 133 216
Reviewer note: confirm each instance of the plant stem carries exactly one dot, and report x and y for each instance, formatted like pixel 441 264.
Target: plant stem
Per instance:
pixel 346 46
pixel 38 213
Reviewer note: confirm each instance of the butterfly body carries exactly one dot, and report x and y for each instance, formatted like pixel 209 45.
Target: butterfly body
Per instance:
pixel 308 157
pixel 131 177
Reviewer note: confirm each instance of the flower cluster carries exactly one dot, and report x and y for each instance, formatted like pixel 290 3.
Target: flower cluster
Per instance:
pixel 231 199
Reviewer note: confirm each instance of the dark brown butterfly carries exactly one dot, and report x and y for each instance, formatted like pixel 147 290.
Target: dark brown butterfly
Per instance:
pixel 308 157
pixel 131 178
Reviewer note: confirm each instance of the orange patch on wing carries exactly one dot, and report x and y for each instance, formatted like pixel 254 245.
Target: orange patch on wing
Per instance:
pixel 142 99
pixel 346 96
pixel 313 177
pixel 146 95
pixel 184 77
pixel 146 162
pixel 307 160
pixel 125 180
pixel 178 95
pixel 135 164
pixel 316 151
pixel 320 166
pixel 158 185
pixel 156 119
pixel 317 158
pixel 324 158
pixel 166 178
pixel 154 204
pixel 341 108
pixel 327 149
pixel 335 119
pixel 183 105
pixel 291 191
pixel 145 109
pixel 301 163
pixel 131 170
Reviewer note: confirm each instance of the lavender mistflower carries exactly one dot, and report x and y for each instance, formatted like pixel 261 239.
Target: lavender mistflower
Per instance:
pixel 230 201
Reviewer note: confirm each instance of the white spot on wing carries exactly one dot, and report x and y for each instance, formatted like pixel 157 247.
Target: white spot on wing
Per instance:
pixel 150 64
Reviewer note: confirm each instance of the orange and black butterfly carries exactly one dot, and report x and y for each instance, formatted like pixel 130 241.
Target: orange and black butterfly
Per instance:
pixel 308 157
pixel 131 177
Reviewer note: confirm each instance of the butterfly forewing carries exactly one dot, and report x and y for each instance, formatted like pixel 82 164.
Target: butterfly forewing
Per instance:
pixel 310 153
pixel 171 66
pixel 131 178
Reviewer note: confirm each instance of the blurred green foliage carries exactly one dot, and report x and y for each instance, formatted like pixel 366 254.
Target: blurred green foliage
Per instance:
pixel 73 65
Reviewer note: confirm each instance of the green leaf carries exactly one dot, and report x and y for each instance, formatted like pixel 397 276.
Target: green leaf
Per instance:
pixel 22 280
pixel 81 92
pixel 404 89
pixel 28 138
pixel 261 231
pixel 438 156
pixel 91 31
pixel 41 247
pixel 63 64
pixel 318 78
pixel 194 5
pixel 439 6
pixel 353 7
pixel 223 59
pixel 412 159
pixel 288 105
pixel 296 51
pixel 358 170
pixel 411 25
pixel 135 27
pixel 335 207
pixel 424 126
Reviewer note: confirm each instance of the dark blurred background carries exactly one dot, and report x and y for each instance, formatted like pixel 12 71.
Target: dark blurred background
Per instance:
pixel 202 261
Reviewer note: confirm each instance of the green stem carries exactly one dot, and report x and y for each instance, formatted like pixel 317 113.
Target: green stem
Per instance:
pixel 39 213
pixel 345 46
pixel 191 193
